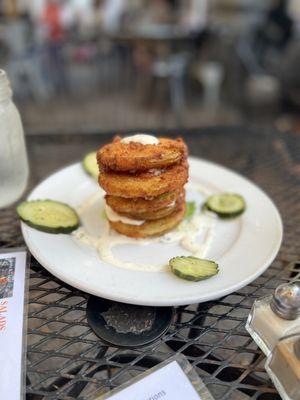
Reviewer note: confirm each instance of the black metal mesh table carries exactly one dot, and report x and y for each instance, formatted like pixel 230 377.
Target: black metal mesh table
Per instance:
pixel 65 360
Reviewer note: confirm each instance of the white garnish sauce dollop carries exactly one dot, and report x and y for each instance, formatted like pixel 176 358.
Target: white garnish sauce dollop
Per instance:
pixel 140 138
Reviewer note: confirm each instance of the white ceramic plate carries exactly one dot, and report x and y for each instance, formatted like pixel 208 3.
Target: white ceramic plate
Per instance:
pixel 243 247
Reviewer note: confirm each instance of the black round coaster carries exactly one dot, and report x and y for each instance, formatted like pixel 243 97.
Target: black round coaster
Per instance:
pixel 126 325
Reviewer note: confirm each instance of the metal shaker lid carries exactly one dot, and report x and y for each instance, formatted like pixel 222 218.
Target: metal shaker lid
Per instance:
pixel 286 301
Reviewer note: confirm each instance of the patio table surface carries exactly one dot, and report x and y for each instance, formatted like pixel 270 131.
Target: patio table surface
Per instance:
pixel 65 360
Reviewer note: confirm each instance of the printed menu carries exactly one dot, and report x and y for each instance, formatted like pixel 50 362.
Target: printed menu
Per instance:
pixel 168 383
pixel 12 291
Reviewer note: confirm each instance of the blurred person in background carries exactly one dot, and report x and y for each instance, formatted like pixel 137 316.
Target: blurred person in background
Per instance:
pixel 52 21
pixel 55 35
pixel 276 31
pixel 194 20
pixel 22 62
pixel 294 12
pixel 113 13
pixel 162 11
pixel 193 15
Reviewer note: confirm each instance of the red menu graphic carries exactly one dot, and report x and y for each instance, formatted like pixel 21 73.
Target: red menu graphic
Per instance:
pixel 7 274
pixel 12 288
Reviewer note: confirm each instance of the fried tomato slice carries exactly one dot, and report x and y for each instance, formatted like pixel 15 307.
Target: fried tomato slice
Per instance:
pixel 150 228
pixel 134 156
pixel 152 214
pixel 143 184
pixel 141 205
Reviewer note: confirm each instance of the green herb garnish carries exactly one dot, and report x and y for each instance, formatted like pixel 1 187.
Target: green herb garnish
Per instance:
pixel 190 209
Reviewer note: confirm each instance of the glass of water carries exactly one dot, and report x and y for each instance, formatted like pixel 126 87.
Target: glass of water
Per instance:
pixel 14 169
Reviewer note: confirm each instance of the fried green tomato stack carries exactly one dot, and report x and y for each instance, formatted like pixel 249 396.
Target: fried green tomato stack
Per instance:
pixel 144 183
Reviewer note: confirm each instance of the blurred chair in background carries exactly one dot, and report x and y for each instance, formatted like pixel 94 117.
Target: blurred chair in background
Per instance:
pixel 173 70
pixel 211 75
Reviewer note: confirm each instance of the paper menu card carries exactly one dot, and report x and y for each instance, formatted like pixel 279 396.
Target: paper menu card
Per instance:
pixel 12 291
pixel 173 379
pixel 167 383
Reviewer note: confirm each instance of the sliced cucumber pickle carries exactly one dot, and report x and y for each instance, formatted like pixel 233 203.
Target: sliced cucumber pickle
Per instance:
pixel 90 164
pixel 226 205
pixel 193 268
pixel 48 216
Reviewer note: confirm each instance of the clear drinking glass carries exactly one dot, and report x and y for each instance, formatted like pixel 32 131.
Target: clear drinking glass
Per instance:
pixel 14 169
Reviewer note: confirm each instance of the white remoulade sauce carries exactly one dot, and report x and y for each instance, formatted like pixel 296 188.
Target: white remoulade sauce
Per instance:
pixel 115 217
pixel 96 233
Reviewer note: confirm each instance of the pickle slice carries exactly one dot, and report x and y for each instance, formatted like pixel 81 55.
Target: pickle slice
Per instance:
pixel 48 216
pixel 193 268
pixel 90 165
pixel 226 205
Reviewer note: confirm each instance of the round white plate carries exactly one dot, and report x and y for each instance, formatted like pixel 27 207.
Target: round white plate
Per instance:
pixel 243 247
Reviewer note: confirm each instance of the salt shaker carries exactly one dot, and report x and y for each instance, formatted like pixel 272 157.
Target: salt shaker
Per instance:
pixel 13 156
pixel 271 317
pixel 283 366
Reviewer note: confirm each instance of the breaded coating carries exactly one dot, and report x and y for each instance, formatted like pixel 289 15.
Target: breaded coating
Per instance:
pixel 150 228
pixel 134 156
pixel 141 205
pixel 150 215
pixel 144 184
